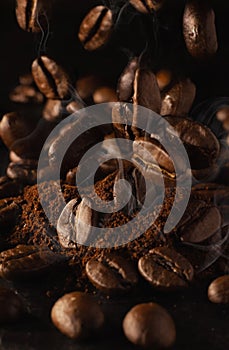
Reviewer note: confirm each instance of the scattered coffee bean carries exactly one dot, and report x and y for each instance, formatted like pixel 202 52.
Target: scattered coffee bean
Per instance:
pixel 24 171
pixel 9 188
pixel 9 213
pixel 165 269
pixel 96 28
pixel 11 306
pixel 86 85
pixel 218 291
pixel 104 94
pixel 147 6
pixel 26 94
pixel 53 111
pixel 77 315
pixel 150 326
pixel 28 13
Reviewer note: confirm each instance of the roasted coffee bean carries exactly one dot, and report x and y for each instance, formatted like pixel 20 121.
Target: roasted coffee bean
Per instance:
pixel 26 94
pixel 50 78
pixel 9 188
pixel 26 79
pixel 11 306
pixel 125 87
pixel 218 291
pixel 199 222
pixel 28 14
pixel 9 213
pixel 85 86
pixel 165 269
pixel 211 193
pixel 149 326
pixel 25 262
pixel 77 315
pixel 24 171
pixel 147 6
pixel 164 78
pixel 96 28
pixel 104 94
pixel 14 126
pixel 179 99
pixel 199 29
pixel 53 110
pixel 65 225
pixel 71 177
pixel 223 116
pixel 122 117
pixel 112 274
pixel 74 106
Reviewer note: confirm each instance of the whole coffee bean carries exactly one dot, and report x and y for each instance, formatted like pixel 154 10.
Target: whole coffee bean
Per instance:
pixel 96 28
pixel 25 262
pixel 26 94
pixel 9 188
pixel 147 6
pixel 112 274
pixel 199 29
pixel 150 326
pixel 77 315
pixel 24 171
pixel 164 78
pixel 86 85
pixel 11 306
pixel 165 269
pixel 28 15
pixel 104 94
pixel 179 99
pixel 125 87
pixel 218 291
pixel 9 213
pixel 199 222
pixel 65 223
pixel 53 110
pixel 50 78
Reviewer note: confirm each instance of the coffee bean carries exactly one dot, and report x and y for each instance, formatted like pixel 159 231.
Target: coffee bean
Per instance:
pixel 77 315
pixel 147 6
pixel 9 213
pixel 25 262
pixel 28 15
pixel 199 222
pixel 199 29
pixel 24 171
pixel 223 116
pixel 26 79
pixel 218 291
pixel 26 94
pixel 71 177
pixel 211 193
pixel 65 223
pixel 125 87
pixel 11 306
pixel 122 117
pixel 86 85
pixel 9 188
pixel 112 274
pixel 165 269
pixel 74 106
pixel 53 111
pixel 179 99
pixel 104 94
pixel 50 78
pixel 149 325
pixel 164 78
pixel 96 28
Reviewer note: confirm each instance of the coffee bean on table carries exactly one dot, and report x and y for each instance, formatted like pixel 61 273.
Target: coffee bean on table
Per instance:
pixel 77 315
pixel 11 306
pixel 199 29
pixel 218 291
pixel 147 6
pixel 150 326
pixel 96 28
pixel 112 274
pixel 165 269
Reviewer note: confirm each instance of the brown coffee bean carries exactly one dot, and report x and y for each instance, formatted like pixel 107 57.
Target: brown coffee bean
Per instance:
pixel 122 117
pixel 211 193
pixel 125 87
pixel 26 79
pixel 53 111
pixel 50 78
pixel 218 291
pixel 86 85
pixel 77 315
pixel 147 6
pixel 26 94
pixel 164 78
pixel 9 213
pixel 199 29
pixel 96 28
pixel 165 269
pixel 9 188
pixel 28 15
pixel 65 223
pixel 24 171
pixel 112 274
pixel 11 306
pixel 71 177
pixel 179 99
pixel 24 262
pixel 74 106
pixel 150 326
pixel 104 94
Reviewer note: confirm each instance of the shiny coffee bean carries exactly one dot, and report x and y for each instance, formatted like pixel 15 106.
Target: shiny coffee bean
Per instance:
pixel 50 78
pixel 9 213
pixel 178 100
pixel 77 315
pixel 149 326
pixel 26 94
pixel 199 29
pixel 112 274
pixel 24 171
pixel 96 28
pixel 164 78
pixel 165 269
pixel 11 306
pixel 65 225
pixel 218 291
pixel 126 81
pixel 199 222
pixel 104 94
pixel 147 6
pixel 9 188
pixel 25 262
pixel 28 13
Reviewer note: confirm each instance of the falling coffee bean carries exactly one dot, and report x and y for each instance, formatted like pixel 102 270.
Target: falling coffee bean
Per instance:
pixel 28 15
pixel 147 6
pixel 165 269
pixel 218 291
pixel 96 28
pixel 149 326
pixel 77 315
pixel 112 274
pixel 11 306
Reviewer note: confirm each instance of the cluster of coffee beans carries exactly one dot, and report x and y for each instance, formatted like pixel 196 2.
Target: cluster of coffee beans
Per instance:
pixel 167 263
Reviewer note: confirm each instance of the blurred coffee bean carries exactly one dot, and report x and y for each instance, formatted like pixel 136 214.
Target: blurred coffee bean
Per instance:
pixel 147 6
pixel 104 94
pixel 53 111
pixel 71 177
pixel 199 29
pixel 9 213
pixel 165 269
pixel 86 85
pixel 26 79
pixel 164 78
pixel 199 222
pixel 65 225
pixel 218 291
pixel 50 78
pixel 178 100
pixel 211 193
pixel 74 106
pixel 26 94
pixel 29 15
pixel 122 118
pixel 125 87
pixel 223 116
pixel 112 274
pixel 9 188
pixel 11 306
pixel 25 262
pixel 149 326
pixel 96 28
pixel 24 171
pixel 14 126
pixel 77 315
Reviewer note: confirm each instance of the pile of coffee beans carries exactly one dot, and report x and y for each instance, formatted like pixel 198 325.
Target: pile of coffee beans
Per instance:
pixel 151 53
